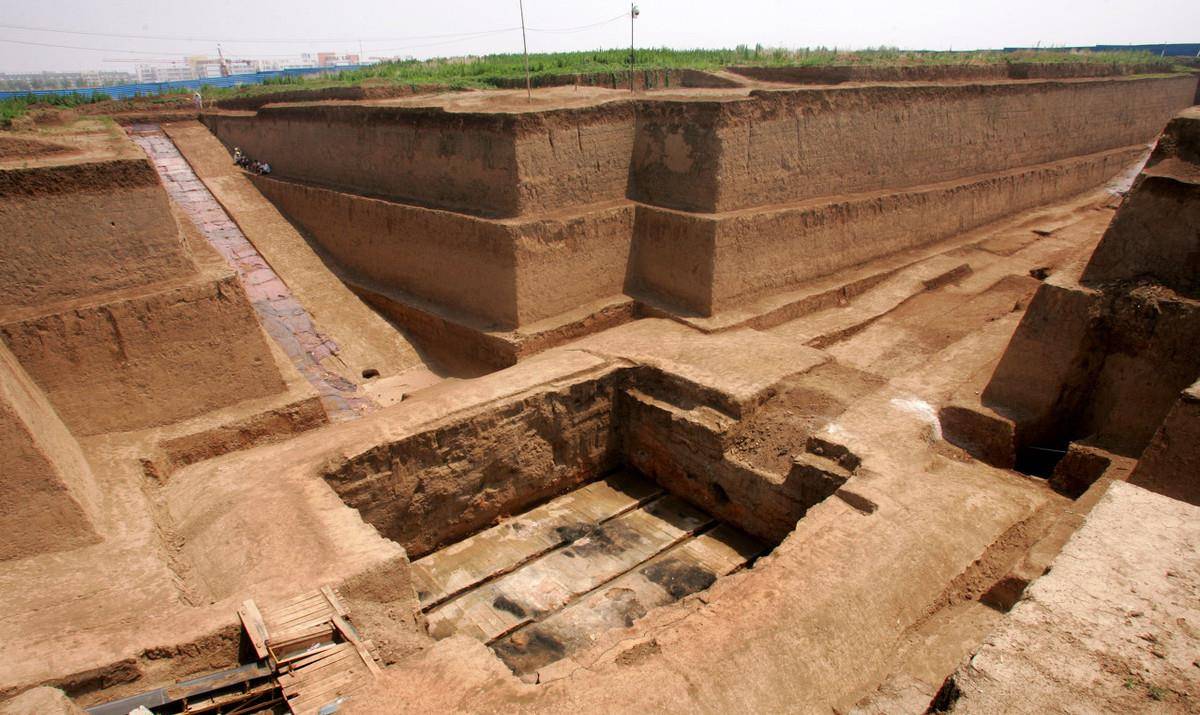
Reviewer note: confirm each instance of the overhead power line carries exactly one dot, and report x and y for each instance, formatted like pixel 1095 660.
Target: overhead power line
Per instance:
pixel 581 28
pixel 260 40
pixel 96 49
pixel 291 41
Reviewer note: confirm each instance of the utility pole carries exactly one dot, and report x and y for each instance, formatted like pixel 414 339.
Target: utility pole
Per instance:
pixel 633 13
pixel 525 47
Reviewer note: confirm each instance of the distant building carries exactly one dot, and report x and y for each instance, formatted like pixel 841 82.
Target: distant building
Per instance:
pixel 333 59
pixel 62 80
pixel 169 71
pixel 199 67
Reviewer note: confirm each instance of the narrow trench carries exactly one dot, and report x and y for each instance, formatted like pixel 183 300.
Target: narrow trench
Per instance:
pixel 1039 460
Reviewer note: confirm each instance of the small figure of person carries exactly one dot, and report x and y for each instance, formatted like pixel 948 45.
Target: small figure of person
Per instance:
pixel 198 99
pixel 238 157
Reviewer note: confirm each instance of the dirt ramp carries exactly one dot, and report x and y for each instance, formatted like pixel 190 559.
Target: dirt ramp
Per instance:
pixel 48 495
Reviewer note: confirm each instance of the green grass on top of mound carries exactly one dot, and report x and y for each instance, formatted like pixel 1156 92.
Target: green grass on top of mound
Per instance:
pixel 486 71
pixel 483 71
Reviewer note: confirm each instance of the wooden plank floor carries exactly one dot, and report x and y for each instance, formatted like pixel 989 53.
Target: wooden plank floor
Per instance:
pixel 323 677
pixel 548 582
pixel 683 570
pixel 515 541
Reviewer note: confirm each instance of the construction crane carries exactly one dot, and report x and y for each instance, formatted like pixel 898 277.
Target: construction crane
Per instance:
pixel 224 63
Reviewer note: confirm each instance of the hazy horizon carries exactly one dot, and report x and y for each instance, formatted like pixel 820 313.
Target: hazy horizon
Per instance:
pixel 455 27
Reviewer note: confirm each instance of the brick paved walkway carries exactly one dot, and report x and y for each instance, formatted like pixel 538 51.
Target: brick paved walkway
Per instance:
pixel 283 317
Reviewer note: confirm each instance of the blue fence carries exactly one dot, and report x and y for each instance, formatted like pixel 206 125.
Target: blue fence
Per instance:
pixel 125 91
pixel 1177 49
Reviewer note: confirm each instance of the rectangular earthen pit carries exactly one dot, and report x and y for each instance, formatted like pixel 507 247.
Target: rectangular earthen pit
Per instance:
pixel 543 522
pixel 544 584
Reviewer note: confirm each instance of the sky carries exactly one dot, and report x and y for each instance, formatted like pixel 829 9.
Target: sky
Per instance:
pixel 267 28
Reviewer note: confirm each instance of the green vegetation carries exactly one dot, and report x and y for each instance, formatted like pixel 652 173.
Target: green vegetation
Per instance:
pixel 14 107
pixel 479 70
pixel 496 70
pixel 490 70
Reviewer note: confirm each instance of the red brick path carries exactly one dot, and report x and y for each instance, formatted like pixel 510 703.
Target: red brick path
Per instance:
pixel 280 313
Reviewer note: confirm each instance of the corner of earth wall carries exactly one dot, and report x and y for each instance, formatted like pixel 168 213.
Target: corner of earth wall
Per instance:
pixel 1103 354
pixel 147 326
pixel 48 495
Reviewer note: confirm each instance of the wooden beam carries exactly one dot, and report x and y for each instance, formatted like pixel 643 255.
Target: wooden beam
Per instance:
pixel 352 637
pixel 334 602
pixel 256 630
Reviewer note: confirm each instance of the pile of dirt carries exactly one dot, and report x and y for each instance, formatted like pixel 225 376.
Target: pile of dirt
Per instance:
pixel 771 435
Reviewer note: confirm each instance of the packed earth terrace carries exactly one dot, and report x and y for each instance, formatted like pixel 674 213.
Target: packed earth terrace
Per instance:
pixel 861 388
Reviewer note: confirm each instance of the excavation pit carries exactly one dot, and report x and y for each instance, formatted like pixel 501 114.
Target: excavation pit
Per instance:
pixel 545 584
pixel 539 525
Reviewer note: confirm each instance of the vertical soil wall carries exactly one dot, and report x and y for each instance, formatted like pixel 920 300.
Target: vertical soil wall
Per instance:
pixel 147 360
pixel 1171 463
pixel 1156 234
pixel 790 145
pixel 437 486
pixel 764 192
pixel 563 263
pixel 495 165
pixel 704 263
pixel 572 158
pixel 461 263
pixel 422 156
pixel 1104 356
pixel 498 274
pixel 836 74
pixel 69 232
